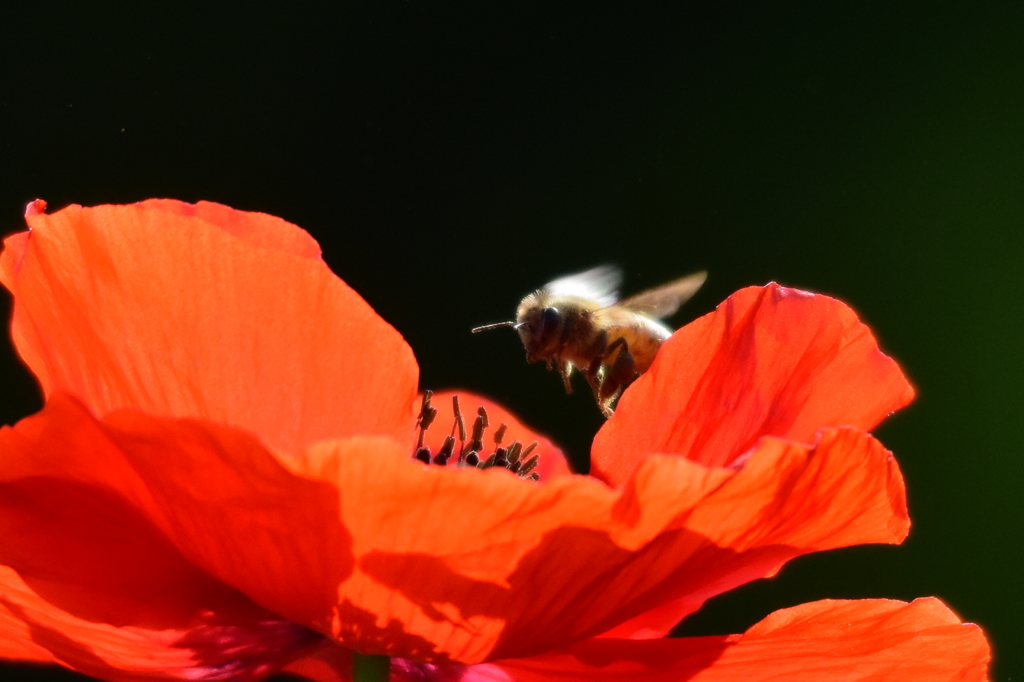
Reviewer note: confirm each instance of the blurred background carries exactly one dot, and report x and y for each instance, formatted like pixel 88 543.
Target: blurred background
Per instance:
pixel 451 159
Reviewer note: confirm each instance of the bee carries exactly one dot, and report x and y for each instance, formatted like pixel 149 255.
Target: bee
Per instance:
pixel 577 323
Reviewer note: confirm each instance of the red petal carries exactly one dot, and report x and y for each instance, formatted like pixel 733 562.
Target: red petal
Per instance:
pixel 240 645
pixel 551 463
pixel 847 490
pixel 258 229
pixel 768 361
pixel 88 580
pixel 15 634
pixel 469 565
pixel 203 311
pixel 845 641
pixel 213 494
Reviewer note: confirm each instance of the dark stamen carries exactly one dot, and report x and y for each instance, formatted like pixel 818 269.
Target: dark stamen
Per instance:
pixel 447 448
pixel 529 465
pixel 513 451
pixel 458 418
pixel 477 441
pixel 423 421
pixel 471 451
pixel 427 413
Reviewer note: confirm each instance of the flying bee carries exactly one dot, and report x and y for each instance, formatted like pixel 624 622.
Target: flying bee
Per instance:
pixel 578 323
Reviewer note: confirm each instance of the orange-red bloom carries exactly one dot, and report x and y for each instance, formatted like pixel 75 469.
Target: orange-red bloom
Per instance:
pixel 221 482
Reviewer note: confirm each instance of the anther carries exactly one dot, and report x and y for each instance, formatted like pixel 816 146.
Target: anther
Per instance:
pixel 447 448
pixel 499 434
pixel 427 413
pixel 529 466
pixel 458 418
pixel 513 451
pixel 478 429
pixel 423 421
pixel 477 440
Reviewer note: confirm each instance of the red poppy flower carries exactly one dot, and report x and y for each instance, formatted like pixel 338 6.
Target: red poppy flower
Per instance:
pixel 222 482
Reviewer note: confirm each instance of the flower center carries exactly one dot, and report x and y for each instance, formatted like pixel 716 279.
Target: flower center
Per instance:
pixel 472 452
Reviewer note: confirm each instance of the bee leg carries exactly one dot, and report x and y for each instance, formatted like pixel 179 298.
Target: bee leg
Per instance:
pixel 594 374
pixel 616 374
pixel 606 404
pixel 566 372
pixel 606 391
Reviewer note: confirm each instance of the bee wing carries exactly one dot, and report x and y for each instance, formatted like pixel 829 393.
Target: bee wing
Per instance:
pixel 665 300
pixel 600 284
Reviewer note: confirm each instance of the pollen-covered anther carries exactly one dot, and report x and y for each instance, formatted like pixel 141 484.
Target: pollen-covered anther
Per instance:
pixel 471 449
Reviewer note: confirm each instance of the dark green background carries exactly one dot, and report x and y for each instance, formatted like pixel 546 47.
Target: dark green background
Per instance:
pixel 871 152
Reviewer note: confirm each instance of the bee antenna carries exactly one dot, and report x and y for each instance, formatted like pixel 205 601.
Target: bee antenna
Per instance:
pixel 495 326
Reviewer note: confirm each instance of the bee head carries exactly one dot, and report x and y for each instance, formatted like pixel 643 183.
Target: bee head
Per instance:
pixel 539 326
